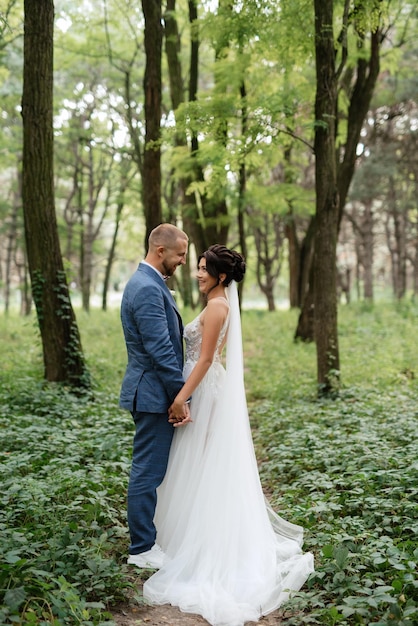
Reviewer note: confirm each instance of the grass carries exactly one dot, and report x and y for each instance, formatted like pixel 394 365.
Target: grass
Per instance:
pixel 346 469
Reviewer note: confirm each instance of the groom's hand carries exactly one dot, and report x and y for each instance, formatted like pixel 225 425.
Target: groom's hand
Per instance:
pixel 179 415
pixel 186 419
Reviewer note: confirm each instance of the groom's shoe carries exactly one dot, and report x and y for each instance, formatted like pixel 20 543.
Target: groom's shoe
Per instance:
pixel 151 559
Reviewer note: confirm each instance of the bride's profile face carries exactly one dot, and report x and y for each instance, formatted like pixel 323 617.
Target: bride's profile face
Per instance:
pixel 205 280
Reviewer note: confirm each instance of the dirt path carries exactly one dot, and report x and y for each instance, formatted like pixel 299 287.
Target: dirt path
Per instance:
pixel 154 616
pixel 166 615
pixel 170 616
pixel 135 614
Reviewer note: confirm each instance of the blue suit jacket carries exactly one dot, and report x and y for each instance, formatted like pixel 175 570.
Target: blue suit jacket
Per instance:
pixel 153 332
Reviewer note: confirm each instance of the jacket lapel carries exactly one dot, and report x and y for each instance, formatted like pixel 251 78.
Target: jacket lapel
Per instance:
pixel 142 267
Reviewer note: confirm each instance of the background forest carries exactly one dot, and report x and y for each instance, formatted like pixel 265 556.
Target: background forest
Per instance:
pixel 284 129
pixel 237 143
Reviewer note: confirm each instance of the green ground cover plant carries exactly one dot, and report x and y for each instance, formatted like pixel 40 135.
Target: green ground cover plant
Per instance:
pixel 345 469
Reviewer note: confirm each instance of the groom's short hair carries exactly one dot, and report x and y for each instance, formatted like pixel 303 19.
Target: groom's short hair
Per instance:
pixel 166 235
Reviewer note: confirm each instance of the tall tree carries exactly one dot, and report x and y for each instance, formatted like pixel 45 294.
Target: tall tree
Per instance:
pixel 366 24
pixel 179 200
pixel 204 212
pixel 62 352
pixel 151 182
pixel 327 203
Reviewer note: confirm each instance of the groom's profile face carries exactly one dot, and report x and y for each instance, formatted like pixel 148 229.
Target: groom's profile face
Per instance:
pixel 174 256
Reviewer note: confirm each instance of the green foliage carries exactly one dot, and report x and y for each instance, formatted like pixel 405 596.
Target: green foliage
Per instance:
pixel 350 467
pixel 345 470
pixel 64 467
pixel 38 285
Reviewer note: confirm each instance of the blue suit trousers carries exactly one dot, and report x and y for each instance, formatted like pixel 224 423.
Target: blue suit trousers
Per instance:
pixel 151 447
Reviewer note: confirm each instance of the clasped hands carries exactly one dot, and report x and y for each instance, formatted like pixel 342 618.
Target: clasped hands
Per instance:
pixel 179 414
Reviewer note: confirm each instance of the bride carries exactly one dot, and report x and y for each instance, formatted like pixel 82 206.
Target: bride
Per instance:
pixel 229 557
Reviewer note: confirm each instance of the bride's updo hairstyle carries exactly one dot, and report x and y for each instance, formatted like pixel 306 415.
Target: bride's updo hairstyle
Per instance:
pixel 222 260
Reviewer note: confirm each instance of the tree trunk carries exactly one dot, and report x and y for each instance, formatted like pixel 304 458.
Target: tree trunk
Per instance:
pixel 63 357
pixel 98 179
pixel 290 231
pixel 242 185
pixel 268 238
pixel 305 327
pixel 213 228
pixel 362 224
pixel 151 180
pixel 86 274
pixel 367 71
pixel 294 260
pixel 396 242
pixel 327 205
pixel 415 249
pixel 415 269
pixel 179 201
pixel 367 74
pixel 11 246
pixel 305 330
pixel 368 250
pixel 25 290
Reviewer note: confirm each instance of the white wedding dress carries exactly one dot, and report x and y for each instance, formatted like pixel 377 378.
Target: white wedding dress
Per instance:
pixel 230 558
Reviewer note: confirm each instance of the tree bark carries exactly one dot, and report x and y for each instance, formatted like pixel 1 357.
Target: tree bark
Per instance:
pixel 11 245
pixel 327 204
pixel 294 260
pixel 151 180
pixel 242 185
pixel 398 249
pixel 179 201
pixel 305 330
pixel 63 357
pixel 368 239
pixel 305 327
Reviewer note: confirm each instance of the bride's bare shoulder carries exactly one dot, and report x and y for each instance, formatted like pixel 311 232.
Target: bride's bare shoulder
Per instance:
pixel 216 308
pixel 219 302
pixel 217 299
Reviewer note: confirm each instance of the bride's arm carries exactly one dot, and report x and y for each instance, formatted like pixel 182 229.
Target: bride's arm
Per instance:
pixel 213 321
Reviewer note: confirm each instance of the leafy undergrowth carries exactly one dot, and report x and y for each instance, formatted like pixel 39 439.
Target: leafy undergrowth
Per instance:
pixel 346 470
pixel 64 466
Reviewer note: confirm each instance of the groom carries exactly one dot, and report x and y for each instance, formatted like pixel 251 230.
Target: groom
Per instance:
pixel 153 333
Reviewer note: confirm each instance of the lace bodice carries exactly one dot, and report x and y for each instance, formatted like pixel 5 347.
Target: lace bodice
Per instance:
pixel 193 339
